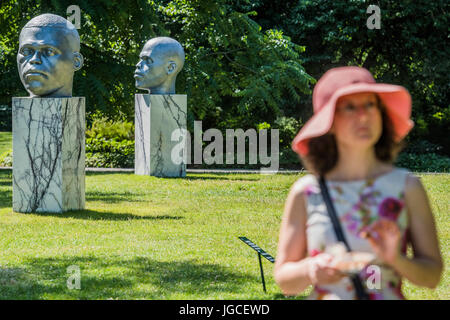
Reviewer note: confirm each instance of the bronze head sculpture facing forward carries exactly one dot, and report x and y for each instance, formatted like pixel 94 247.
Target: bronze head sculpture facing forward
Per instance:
pixel 48 56
pixel 160 61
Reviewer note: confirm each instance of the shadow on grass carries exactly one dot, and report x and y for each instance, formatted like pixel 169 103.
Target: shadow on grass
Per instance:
pixel 113 197
pixel 118 278
pixel 97 215
pixel 189 176
pixel 226 176
pixel 217 176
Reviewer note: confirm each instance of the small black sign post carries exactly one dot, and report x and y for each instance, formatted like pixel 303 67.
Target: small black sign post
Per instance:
pixel 261 252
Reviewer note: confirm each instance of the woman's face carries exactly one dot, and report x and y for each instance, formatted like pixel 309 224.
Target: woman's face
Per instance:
pixel 357 120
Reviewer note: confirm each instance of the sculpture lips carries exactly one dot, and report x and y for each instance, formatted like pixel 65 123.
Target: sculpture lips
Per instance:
pixel 35 73
pixel 138 75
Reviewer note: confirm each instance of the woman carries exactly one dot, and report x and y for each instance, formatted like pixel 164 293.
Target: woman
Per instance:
pixel 351 141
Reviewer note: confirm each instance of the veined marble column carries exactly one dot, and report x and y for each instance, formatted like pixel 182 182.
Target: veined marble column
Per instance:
pixel 157 116
pixel 48 154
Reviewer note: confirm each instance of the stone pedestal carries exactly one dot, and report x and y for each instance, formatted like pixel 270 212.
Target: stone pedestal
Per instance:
pixel 157 117
pixel 48 154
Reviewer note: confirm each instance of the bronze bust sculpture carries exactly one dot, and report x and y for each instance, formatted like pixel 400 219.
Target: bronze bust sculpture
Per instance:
pixel 161 60
pixel 48 56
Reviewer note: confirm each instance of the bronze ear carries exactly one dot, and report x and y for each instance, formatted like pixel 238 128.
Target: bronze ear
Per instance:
pixel 78 61
pixel 171 67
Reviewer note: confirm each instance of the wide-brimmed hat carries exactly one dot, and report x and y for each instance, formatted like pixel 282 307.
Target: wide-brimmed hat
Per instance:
pixel 342 81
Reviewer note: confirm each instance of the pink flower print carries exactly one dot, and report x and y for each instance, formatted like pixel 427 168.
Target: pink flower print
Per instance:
pixel 357 206
pixel 314 252
pixel 390 208
pixel 311 189
pixel 352 223
pixel 353 226
pixel 347 217
pixel 368 198
pixel 375 296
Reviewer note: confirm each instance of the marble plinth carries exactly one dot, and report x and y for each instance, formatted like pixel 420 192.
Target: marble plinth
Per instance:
pixel 48 154
pixel 157 117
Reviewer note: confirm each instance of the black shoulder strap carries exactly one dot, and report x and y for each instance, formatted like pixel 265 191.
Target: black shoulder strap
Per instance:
pixel 362 295
pixel 332 213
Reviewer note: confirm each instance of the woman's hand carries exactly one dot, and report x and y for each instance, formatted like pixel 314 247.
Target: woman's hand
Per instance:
pixel 384 238
pixel 320 271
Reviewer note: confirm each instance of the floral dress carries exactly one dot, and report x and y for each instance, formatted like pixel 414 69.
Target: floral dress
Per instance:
pixel 358 204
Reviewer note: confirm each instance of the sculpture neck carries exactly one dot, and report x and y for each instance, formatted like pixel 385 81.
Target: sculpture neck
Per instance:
pixel 167 87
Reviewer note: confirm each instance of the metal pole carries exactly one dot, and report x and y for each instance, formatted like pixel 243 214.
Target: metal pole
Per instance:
pixel 262 272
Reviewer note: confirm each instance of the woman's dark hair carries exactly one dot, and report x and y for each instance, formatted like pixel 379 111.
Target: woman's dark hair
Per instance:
pixel 323 152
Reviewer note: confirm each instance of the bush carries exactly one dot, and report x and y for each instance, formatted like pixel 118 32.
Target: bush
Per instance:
pixel 424 162
pixel 422 147
pixel 6 159
pixel 109 153
pixel 110 144
pixel 109 129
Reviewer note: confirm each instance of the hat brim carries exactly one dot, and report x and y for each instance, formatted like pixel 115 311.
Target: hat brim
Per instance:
pixel 396 99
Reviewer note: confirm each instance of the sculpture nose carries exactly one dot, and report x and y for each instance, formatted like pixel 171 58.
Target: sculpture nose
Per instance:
pixel 36 58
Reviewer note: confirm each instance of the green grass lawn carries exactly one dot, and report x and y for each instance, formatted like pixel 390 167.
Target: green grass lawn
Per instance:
pixel 153 238
pixel 5 141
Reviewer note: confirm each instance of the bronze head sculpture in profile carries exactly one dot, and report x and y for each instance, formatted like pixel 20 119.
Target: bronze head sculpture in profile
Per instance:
pixel 48 56
pixel 160 61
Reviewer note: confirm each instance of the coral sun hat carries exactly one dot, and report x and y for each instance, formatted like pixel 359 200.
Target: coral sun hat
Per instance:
pixel 342 81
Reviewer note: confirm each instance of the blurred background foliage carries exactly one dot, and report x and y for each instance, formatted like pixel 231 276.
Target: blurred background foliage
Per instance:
pixel 252 63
